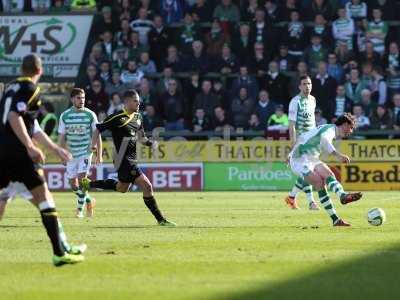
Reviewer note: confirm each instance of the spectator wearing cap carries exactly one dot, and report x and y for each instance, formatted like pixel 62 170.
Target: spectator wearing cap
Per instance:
pixel 187 34
pixel 115 85
pixel 295 36
pixel 172 11
pixel 324 90
pixel 242 107
pixel 227 62
pixel 324 30
pixel 319 119
pixel 146 65
pixel 368 105
pixel 206 100
pixel 277 84
pixel 245 80
pixel 172 106
pixel 241 45
pixel 202 11
pixel 279 120
pixel 285 61
pixel 315 53
pixel 151 119
pixel 341 103
pixel 319 7
pixel 354 86
pixel 122 36
pixel 335 70
pixel 159 39
pixel 362 121
pixel 142 25
pixel 264 108
pixel 199 60
pixel 215 40
pixel 343 28
pixel 226 11
pixel 132 75
pixel 135 47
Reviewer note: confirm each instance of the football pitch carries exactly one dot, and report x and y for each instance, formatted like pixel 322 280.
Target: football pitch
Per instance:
pixel 228 246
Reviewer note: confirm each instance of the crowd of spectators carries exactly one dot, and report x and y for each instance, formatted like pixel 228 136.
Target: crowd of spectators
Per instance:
pixel 204 65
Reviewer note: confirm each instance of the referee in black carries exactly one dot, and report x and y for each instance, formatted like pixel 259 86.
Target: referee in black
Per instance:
pixel 20 158
pixel 126 127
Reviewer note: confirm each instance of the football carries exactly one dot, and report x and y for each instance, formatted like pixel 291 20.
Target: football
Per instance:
pixel 376 216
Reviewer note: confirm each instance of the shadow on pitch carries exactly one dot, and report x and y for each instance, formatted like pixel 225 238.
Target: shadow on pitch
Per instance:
pixel 374 276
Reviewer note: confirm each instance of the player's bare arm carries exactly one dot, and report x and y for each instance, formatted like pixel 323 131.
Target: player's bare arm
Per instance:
pixel 43 139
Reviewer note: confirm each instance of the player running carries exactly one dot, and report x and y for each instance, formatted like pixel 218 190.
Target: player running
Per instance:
pixel 304 162
pixel 76 127
pixel 301 119
pixel 126 127
pixel 19 156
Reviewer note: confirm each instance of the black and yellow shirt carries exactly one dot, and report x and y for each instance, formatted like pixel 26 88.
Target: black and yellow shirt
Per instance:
pixel 22 97
pixel 125 129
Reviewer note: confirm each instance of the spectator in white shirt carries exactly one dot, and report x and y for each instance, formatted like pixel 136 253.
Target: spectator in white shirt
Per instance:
pixel 142 25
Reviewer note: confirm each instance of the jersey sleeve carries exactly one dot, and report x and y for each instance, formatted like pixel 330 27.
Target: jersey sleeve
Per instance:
pixel 61 125
pixel 25 96
pixel 293 110
pixel 109 123
pixel 327 140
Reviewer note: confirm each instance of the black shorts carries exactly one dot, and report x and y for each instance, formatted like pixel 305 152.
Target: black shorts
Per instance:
pixel 128 171
pixel 19 168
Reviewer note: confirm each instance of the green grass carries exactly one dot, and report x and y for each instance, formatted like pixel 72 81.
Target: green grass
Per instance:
pixel 229 246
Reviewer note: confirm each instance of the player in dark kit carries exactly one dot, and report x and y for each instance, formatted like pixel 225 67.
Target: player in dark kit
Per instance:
pixel 20 157
pixel 126 127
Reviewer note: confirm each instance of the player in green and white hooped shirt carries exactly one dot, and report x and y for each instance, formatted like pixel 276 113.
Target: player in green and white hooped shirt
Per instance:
pixel 304 161
pixel 301 119
pixel 76 128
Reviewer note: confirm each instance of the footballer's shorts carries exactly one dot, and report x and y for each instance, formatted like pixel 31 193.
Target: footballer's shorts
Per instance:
pixel 128 171
pixel 304 165
pixel 19 167
pixel 14 189
pixel 80 165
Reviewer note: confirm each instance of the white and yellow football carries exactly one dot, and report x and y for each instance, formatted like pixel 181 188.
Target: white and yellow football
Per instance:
pixel 376 216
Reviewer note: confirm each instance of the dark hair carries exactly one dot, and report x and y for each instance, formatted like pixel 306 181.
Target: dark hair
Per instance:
pixel 31 64
pixel 130 93
pixel 77 91
pixel 303 77
pixel 346 118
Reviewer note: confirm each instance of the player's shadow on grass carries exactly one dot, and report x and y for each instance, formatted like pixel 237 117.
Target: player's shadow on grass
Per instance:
pixel 374 276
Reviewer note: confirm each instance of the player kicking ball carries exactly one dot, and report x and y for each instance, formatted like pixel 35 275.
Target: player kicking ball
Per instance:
pixel 76 127
pixel 126 127
pixel 15 189
pixel 304 162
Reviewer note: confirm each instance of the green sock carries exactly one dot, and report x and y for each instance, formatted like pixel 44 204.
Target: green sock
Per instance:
pixel 81 198
pixel 63 237
pixel 327 204
pixel 335 186
pixel 88 199
pixel 307 188
pixel 298 186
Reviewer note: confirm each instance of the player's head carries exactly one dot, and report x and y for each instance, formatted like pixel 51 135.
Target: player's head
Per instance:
pixel 305 85
pixel 32 66
pixel 132 100
pixel 346 124
pixel 78 98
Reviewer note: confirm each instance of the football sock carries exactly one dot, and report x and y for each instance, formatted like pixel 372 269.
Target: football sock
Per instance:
pixel 63 237
pixel 50 222
pixel 335 186
pixel 153 207
pixel 298 186
pixel 88 199
pixel 327 204
pixel 81 198
pixel 108 184
pixel 307 188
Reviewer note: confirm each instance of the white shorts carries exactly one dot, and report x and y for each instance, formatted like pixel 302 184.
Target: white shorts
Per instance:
pixel 304 165
pixel 78 166
pixel 13 189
